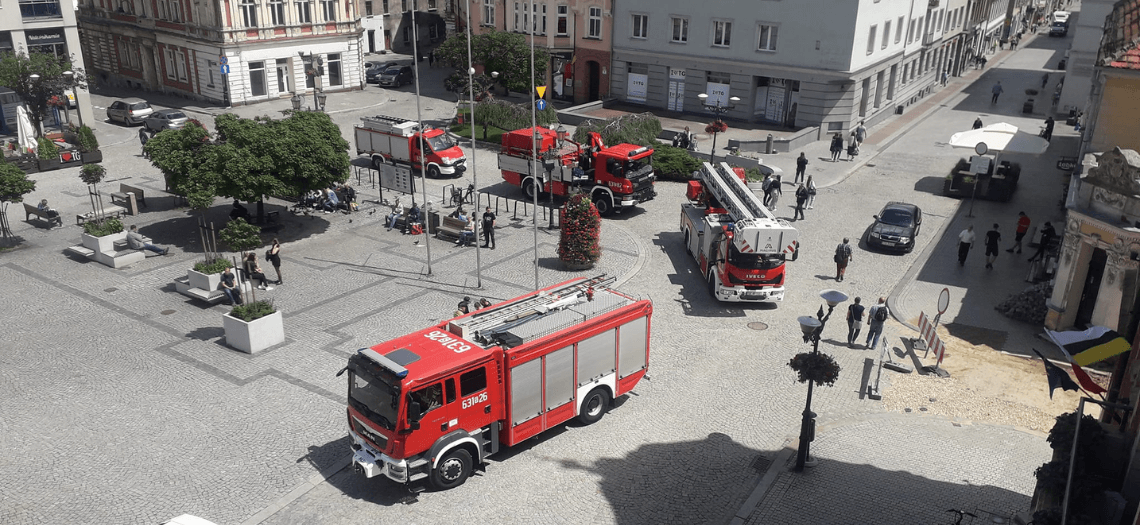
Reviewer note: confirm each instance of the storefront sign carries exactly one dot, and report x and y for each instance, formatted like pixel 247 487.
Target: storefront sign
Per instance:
pixel 718 94
pixel 677 73
pixel 44 36
pixel 636 87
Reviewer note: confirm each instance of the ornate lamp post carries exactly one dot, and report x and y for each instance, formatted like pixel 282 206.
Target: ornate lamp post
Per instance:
pixel 814 368
pixel 719 111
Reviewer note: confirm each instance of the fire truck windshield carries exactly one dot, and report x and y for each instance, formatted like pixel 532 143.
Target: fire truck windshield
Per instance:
pixel 440 142
pixel 754 261
pixel 374 398
pixel 636 168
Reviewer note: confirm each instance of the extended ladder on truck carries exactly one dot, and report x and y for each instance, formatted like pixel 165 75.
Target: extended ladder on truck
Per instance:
pixel 750 215
pixel 544 313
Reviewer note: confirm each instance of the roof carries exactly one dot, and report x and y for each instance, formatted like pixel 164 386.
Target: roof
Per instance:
pixel 1120 48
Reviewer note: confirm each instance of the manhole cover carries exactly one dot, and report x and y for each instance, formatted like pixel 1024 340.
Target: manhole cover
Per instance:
pixel 758 326
pixel 167 312
pixel 108 290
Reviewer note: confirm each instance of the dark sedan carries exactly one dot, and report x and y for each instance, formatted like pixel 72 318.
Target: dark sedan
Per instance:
pixel 372 73
pixel 397 76
pixel 895 227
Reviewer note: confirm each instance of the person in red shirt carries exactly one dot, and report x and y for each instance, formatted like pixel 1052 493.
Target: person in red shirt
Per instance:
pixel 1022 227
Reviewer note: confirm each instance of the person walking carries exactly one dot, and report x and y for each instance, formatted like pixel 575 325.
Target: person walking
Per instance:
pixel 143 138
pixel 997 91
pixel 1019 233
pixel 488 229
pixel 853 147
pixel 1048 133
pixel 965 241
pixel 1048 234
pixel 854 321
pixel 943 78
pixel 860 133
pixel 772 196
pixel 993 237
pixel 978 123
pixel 801 201
pixel 274 257
pixel 801 167
pixel 875 319
pixel 811 189
pixel 843 256
pixel 1044 80
pixel 836 147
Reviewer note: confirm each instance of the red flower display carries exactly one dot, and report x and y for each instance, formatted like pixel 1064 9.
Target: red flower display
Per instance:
pixel 717 126
pixel 581 230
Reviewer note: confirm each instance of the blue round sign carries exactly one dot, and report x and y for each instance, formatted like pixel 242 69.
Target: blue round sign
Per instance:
pixel 540 104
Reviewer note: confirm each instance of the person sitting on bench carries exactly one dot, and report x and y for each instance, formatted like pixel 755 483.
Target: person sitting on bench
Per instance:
pixel 467 236
pixel 413 218
pixel 239 212
pixel 136 242
pixel 52 215
pixel 397 211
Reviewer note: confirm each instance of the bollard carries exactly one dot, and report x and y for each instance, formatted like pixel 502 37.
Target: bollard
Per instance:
pixel 771 143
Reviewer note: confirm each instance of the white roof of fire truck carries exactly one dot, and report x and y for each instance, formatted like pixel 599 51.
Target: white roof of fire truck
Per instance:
pixel 392 125
pixel 756 230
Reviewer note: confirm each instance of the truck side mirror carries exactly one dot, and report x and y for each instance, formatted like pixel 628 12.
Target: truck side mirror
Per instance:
pixel 414 414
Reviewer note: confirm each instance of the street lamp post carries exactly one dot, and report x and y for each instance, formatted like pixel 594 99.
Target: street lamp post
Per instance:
pixel 812 328
pixel 719 111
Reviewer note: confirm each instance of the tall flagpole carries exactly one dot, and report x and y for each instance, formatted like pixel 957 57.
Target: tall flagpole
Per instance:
pixel 420 121
pixel 474 176
pixel 538 186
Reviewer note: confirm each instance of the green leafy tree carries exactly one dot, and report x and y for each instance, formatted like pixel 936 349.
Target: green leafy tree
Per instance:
pixel 241 237
pixel 16 70
pixel 92 175
pixel 507 116
pixel 579 242
pixel 500 51
pixel 14 184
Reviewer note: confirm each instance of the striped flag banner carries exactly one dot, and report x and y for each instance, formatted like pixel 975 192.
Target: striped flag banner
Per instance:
pixel 1090 346
pixel 1083 378
pixel 929 334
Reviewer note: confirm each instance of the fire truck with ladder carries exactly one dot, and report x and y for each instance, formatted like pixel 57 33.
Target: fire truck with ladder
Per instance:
pixel 740 246
pixel 434 404
pixel 398 141
pixel 615 177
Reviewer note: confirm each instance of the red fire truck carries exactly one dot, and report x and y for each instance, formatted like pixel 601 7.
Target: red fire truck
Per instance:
pixel 397 141
pixel 740 246
pixel 435 403
pixel 615 177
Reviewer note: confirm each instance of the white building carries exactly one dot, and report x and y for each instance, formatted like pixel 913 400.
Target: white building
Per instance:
pixel 232 53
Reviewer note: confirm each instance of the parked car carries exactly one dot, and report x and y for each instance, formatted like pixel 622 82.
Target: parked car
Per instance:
pixel 165 119
pixel 397 76
pixel 129 111
pixel 1059 29
pixel 896 227
pixel 373 72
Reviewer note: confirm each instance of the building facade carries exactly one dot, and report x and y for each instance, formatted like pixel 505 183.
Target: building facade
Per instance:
pixel 231 53
pixel 40 26
pixel 387 24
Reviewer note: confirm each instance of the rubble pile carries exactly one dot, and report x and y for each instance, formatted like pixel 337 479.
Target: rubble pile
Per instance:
pixel 1029 305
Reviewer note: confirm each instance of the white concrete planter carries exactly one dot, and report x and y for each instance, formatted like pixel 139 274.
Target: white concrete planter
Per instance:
pixel 256 335
pixel 203 281
pixel 105 243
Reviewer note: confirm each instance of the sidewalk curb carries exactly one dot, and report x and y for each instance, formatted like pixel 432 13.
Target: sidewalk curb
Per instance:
pixel 300 490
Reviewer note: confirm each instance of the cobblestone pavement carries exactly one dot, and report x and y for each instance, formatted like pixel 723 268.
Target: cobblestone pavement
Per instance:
pixel 145 414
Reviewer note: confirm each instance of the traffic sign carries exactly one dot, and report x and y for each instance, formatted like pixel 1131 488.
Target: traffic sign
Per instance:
pixel 943 301
pixel 223 60
pixel 541 90
pixel 225 69
pixel 540 104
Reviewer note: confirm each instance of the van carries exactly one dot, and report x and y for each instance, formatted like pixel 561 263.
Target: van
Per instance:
pixel 1061 17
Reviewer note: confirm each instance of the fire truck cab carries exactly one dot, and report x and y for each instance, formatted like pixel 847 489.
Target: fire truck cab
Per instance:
pixel 435 403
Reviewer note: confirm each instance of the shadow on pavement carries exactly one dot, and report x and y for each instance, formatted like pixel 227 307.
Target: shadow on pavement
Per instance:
pixel 695 299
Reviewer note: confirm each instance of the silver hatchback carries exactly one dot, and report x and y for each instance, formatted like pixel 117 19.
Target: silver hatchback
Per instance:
pixel 129 111
pixel 165 119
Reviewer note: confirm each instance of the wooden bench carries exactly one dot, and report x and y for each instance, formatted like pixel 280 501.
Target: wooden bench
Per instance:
pixel 30 210
pixel 450 228
pixel 401 221
pixel 108 211
pixel 125 198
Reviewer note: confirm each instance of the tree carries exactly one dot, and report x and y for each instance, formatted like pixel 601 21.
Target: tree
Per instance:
pixel 241 237
pixel 500 51
pixel 640 129
pixel 16 72
pixel 14 184
pixel 93 174
pixel 581 231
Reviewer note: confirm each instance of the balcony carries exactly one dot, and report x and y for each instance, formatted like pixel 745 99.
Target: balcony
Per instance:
pixel 40 9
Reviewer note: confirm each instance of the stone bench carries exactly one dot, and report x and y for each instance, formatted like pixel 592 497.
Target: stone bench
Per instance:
pixel 108 211
pixel 30 210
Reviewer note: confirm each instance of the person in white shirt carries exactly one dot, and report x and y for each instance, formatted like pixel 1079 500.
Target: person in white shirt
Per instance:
pixel 965 241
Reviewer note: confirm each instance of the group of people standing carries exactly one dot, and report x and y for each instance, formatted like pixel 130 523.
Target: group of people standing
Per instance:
pixel 856 139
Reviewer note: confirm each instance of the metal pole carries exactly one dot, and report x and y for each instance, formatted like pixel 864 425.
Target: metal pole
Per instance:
pixel 1072 462
pixel 420 121
pixel 808 416
pixel 534 144
pixel 474 175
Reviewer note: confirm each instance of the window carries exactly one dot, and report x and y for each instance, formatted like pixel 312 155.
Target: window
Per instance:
pixel 277 12
pixel 489 12
pixel 640 26
pixel 680 29
pixel 871 39
pixel 431 5
pixel 519 16
pixel 403 5
pixel 257 79
pixel 898 30
pixel 40 9
pixel 429 398
pixel 168 62
pixel 594 28
pixel 368 8
pixel 211 66
pixel 766 41
pixel 910 31
pixel 249 13
pixel 334 69
pixel 305 12
pixel 433 32
pixel 563 21
pixel 408 35
pixel 169 10
pixel 722 33
pixel 886 34
pixel 538 17
pixel 328 7
pixel 472 382
pixel 384 6
pixel 180 67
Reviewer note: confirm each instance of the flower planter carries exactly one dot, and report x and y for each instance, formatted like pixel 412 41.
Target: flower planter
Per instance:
pixel 105 243
pixel 576 267
pixel 49 164
pixel 256 335
pixel 92 157
pixel 203 281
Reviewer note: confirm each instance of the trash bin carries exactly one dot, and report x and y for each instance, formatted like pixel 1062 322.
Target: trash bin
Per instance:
pixel 1028 106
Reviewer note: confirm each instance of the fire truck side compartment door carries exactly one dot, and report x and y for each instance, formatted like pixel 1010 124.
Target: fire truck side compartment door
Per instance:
pixel 596 356
pixel 631 347
pixel 526 391
pixel 559 377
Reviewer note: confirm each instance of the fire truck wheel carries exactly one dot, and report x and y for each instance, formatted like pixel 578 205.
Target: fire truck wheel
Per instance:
pixel 452 470
pixel 604 205
pixel 712 284
pixel 688 249
pixel 377 162
pixel 528 189
pixel 433 172
pixel 594 406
